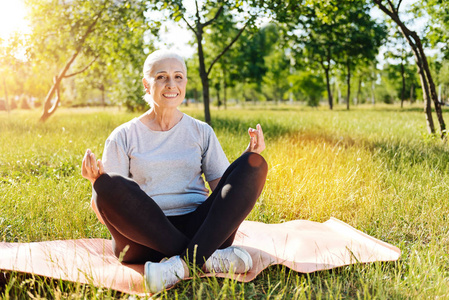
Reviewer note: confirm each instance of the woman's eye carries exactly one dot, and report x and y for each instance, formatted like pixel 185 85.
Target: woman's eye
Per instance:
pixel 160 77
pixel 178 77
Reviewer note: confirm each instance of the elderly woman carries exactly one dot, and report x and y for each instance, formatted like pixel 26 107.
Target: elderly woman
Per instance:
pixel 149 190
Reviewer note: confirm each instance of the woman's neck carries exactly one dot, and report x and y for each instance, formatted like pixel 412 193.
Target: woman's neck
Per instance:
pixel 158 120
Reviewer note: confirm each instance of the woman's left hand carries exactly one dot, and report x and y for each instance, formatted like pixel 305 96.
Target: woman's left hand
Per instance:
pixel 256 143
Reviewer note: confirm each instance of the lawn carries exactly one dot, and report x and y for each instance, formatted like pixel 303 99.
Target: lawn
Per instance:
pixel 374 168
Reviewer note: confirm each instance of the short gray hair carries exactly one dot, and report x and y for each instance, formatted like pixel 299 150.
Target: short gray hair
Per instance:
pixel 160 55
pixel 152 59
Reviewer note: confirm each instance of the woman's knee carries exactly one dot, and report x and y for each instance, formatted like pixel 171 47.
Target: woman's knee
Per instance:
pixel 257 162
pixel 112 184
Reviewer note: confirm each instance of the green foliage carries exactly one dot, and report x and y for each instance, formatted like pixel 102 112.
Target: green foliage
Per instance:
pixel 308 86
pixel 438 12
pixel 392 78
pixel 250 54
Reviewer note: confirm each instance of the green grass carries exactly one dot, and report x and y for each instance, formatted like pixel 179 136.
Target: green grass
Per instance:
pixel 375 169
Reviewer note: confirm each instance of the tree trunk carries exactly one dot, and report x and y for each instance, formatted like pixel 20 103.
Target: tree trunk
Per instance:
pixel 433 92
pixel 427 83
pixel 50 109
pixel 423 78
pixel 217 88
pixel 348 82
pixel 224 89
pixel 403 84
pixel 203 74
pixel 329 92
pixel 359 91
pixel 427 103
pixel 411 93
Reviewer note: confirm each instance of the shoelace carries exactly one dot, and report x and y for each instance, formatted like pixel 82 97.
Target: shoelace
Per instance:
pixel 170 274
pixel 220 264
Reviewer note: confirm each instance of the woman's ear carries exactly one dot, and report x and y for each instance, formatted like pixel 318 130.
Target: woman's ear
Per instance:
pixel 146 85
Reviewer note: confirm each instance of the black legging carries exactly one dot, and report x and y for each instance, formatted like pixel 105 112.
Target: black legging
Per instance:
pixel 135 220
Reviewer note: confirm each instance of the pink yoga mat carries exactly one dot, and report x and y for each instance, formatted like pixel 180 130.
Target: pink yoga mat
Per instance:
pixel 303 246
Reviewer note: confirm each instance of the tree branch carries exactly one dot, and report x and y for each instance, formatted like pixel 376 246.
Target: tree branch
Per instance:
pixel 81 71
pixel 198 19
pixel 90 28
pixel 227 47
pixel 58 98
pixel 407 33
pixel 391 6
pixel 215 17
pixel 399 4
pixel 188 25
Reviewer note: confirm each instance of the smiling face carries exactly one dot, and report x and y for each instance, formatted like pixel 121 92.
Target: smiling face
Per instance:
pixel 166 83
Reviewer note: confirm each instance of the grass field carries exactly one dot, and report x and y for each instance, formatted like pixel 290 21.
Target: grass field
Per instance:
pixel 374 168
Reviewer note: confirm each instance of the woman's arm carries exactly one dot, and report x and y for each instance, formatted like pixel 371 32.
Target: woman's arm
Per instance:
pixel 213 183
pixel 256 144
pixel 91 169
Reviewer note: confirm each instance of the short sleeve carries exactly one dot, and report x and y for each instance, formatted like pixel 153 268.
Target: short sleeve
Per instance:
pixel 115 158
pixel 214 161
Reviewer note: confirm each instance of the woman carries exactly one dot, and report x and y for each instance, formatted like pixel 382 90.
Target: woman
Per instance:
pixel 149 191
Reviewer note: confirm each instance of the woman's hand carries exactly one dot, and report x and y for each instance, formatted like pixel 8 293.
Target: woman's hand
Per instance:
pixel 256 142
pixel 91 169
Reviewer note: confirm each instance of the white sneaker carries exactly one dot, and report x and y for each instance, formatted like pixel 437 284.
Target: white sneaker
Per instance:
pixel 159 276
pixel 232 259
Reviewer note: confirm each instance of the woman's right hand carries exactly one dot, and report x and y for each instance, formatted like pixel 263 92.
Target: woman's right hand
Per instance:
pixel 91 169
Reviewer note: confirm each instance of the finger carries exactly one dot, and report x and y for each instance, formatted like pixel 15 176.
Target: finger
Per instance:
pixel 93 162
pixel 251 131
pixel 83 166
pixel 100 164
pixel 88 161
pixel 260 133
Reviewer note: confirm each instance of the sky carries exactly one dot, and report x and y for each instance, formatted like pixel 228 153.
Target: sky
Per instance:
pixel 12 17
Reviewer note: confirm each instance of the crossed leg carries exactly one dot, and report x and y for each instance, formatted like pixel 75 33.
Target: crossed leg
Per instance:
pixel 136 221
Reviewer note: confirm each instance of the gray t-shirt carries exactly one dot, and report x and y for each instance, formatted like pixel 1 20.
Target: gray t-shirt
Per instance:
pixel 167 165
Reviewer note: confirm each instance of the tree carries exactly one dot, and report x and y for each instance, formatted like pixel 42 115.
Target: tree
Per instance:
pixel 251 61
pixel 79 28
pixel 391 9
pixel 400 67
pixel 308 85
pixel 217 38
pixel 362 38
pixel 276 78
pixel 317 43
pixel 331 33
pixel 206 16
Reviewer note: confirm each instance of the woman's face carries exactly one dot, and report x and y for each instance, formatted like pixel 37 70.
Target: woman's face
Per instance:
pixel 167 83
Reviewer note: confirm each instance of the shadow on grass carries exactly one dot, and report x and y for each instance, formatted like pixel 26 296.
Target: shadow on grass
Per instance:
pixel 425 150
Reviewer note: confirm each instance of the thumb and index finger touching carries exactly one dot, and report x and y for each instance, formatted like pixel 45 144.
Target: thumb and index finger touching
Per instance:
pixel 91 168
pixel 257 142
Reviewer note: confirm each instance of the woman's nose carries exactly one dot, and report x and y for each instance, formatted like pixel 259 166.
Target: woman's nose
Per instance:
pixel 170 83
